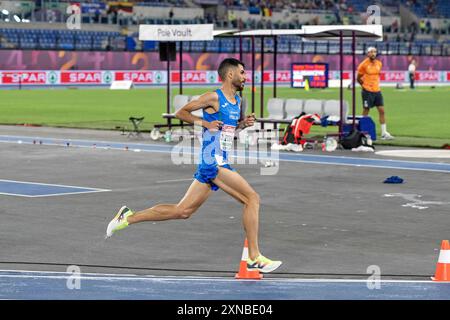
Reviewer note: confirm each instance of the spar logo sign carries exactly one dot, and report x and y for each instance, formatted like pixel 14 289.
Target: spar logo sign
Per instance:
pixel 52 77
pixel 194 77
pixel 107 77
pixel 158 77
pixel 257 76
pixel 135 76
pixel 282 76
pixel 427 76
pixel 393 76
pixel 212 77
pixel 24 77
pixel 190 77
pixel 81 77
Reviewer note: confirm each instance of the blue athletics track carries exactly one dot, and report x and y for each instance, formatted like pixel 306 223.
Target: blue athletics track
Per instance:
pixel 340 231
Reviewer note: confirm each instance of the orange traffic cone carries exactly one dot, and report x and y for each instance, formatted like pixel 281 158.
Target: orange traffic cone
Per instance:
pixel 443 264
pixel 243 272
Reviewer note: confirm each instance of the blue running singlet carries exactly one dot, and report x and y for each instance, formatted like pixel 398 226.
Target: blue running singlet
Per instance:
pixel 216 145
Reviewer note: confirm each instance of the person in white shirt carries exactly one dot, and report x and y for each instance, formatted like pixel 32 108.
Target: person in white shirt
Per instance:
pixel 412 73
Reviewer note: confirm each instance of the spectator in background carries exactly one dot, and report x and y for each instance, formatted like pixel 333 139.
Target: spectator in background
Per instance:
pixel 337 13
pixel 422 26
pixel 369 78
pixel 231 16
pixel 430 7
pixel 428 26
pixel 405 37
pixel 412 73
pixel 394 26
pixel 171 15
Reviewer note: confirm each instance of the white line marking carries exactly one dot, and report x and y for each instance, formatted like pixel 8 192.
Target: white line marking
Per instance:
pixel 51 195
pixel 51 184
pixel 174 180
pixel 288 160
pixel 88 189
pixel 196 149
pixel 100 276
pixel 82 140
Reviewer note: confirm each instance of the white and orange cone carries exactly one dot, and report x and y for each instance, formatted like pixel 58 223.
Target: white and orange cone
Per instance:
pixel 243 273
pixel 443 265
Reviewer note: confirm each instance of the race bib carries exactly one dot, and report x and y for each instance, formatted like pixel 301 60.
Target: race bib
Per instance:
pixel 220 160
pixel 227 137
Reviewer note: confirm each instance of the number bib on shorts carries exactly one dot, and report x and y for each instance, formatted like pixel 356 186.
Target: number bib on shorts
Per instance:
pixel 227 137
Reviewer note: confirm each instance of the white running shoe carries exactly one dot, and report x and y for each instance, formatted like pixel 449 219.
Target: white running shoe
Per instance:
pixel 387 136
pixel 119 221
pixel 262 264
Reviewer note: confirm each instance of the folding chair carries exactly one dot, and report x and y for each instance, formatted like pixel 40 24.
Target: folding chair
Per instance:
pixel 136 122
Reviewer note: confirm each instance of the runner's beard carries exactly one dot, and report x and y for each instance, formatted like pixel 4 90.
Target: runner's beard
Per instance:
pixel 240 86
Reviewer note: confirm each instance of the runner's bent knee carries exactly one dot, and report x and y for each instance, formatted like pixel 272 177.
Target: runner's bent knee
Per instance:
pixel 185 212
pixel 253 197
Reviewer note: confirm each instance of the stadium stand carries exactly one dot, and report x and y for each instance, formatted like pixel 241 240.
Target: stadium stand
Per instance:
pixel 114 28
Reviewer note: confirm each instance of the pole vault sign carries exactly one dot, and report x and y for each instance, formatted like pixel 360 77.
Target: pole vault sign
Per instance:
pixel 183 32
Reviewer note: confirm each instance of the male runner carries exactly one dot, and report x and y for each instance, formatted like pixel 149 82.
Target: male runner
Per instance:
pixel 221 118
pixel 369 78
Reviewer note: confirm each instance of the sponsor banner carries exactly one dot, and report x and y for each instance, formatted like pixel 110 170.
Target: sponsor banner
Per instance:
pixel 81 77
pixel 282 76
pixel 24 77
pixel 193 77
pixel 393 76
pixel 432 76
pixel 200 77
pixel 347 75
pixel 186 32
pixel 142 77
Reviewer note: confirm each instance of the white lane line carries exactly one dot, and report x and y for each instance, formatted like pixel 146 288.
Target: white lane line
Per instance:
pixel 99 276
pixel 53 185
pixel 174 180
pixel 50 195
pixel 62 193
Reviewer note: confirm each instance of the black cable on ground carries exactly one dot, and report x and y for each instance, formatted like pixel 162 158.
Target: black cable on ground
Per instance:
pixel 299 274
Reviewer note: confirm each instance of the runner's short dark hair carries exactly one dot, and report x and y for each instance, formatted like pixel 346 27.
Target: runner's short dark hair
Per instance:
pixel 226 64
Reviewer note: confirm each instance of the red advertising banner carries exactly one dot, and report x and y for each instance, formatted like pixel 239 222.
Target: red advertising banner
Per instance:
pixel 392 76
pixel 203 77
pixel 81 77
pixel 427 76
pixel 282 76
pixel 135 76
pixel 24 77
pixel 190 76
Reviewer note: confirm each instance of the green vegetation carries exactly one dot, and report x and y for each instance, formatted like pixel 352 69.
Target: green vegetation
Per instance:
pixel 418 117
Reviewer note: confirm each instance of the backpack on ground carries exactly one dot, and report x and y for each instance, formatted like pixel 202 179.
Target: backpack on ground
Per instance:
pixel 356 139
pixel 299 126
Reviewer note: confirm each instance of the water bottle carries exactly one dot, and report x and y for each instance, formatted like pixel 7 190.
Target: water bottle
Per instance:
pixel 168 136
pixel 246 140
